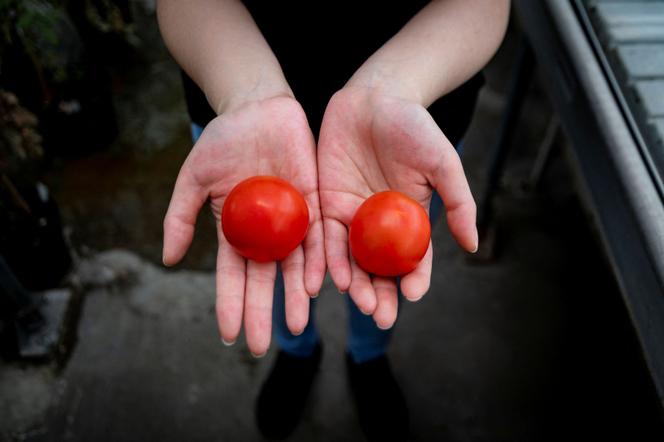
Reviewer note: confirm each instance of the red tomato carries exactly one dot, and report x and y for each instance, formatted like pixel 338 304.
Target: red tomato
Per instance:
pixel 264 218
pixel 389 234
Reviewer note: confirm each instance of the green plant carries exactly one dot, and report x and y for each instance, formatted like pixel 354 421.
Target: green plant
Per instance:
pixel 44 31
pixel 34 25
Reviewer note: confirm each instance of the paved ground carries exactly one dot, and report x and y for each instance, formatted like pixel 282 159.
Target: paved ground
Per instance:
pixel 535 345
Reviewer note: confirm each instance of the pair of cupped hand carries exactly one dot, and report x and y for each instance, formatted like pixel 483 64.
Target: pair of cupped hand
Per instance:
pixel 368 142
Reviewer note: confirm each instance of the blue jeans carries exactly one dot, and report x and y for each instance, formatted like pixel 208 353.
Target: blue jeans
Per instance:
pixel 365 340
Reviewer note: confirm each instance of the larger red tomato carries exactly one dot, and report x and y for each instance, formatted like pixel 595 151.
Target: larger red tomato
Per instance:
pixel 389 234
pixel 265 218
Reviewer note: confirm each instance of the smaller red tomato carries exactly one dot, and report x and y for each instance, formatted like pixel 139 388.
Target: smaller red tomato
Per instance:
pixel 389 234
pixel 264 218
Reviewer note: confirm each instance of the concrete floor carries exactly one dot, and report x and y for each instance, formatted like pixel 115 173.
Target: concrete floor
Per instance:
pixel 534 345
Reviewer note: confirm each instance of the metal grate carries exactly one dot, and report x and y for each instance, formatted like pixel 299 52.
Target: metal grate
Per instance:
pixel 629 39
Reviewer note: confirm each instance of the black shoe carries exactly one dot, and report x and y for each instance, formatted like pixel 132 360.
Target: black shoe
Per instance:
pixel 282 398
pixel 381 405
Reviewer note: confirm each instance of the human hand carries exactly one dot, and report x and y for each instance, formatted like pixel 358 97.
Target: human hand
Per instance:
pixel 265 137
pixel 370 142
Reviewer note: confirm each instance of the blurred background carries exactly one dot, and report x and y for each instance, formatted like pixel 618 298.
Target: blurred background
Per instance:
pixel 529 341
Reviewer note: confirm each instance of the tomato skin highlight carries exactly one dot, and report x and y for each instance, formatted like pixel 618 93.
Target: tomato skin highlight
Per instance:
pixel 389 234
pixel 264 218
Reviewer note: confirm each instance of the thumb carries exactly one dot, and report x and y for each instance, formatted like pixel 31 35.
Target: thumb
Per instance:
pixel 180 220
pixel 450 182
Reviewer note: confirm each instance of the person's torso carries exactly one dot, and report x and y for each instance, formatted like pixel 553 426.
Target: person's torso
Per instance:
pixel 321 44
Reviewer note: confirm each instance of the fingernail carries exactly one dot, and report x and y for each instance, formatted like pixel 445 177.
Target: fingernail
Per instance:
pixel 366 313
pixel 383 328
pixel 227 343
pixel 297 333
pixel 476 242
pixel 258 356
pixel 315 295
pixel 415 299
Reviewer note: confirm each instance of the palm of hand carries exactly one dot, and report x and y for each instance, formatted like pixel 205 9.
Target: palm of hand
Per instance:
pixel 262 139
pixel 370 143
pixel 270 137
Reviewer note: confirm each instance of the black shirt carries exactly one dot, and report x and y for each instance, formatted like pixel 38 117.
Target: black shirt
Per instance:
pixel 321 44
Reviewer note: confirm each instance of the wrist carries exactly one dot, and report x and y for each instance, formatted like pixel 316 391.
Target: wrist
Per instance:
pixel 386 80
pixel 238 94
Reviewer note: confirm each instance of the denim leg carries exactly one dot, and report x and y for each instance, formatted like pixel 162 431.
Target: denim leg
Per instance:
pixel 196 132
pixel 435 208
pixel 302 345
pixel 365 340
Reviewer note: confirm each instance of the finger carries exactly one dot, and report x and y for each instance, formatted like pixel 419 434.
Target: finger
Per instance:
pixel 314 252
pixel 231 273
pixel 258 294
pixel 180 219
pixel 336 252
pixel 361 290
pixel 450 182
pixel 297 298
pixel 416 283
pixel 387 302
